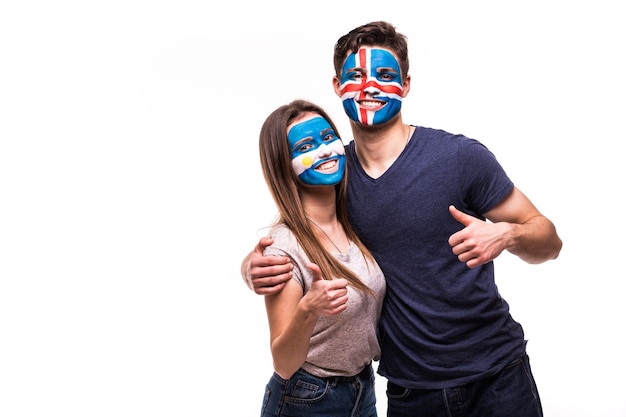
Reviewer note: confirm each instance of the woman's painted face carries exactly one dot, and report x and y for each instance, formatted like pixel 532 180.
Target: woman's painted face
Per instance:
pixel 371 86
pixel 317 153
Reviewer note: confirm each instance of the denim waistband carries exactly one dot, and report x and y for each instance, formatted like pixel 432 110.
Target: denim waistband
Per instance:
pixel 364 374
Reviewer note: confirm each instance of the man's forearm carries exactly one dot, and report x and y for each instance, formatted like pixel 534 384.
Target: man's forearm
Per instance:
pixel 245 271
pixel 536 241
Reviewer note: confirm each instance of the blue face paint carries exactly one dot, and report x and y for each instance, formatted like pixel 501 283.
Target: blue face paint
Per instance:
pixel 371 86
pixel 317 153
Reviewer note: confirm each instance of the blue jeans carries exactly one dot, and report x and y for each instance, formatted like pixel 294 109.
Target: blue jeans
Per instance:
pixel 510 393
pixel 305 395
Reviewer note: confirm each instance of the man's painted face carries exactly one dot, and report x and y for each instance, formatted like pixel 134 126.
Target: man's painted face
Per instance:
pixel 371 86
pixel 317 153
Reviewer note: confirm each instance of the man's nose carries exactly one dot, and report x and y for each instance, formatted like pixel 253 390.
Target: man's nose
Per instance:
pixel 371 89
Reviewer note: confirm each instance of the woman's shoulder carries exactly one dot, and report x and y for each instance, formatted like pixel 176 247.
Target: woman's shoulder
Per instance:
pixel 285 243
pixel 281 233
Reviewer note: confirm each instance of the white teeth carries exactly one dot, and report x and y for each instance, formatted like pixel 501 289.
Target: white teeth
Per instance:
pixel 327 165
pixel 371 104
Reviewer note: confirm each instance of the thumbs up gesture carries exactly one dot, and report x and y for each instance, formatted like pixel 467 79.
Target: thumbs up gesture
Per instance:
pixel 326 297
pixel 478 242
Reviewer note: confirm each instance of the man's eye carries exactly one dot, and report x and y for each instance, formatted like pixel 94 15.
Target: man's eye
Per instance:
pixel 386 77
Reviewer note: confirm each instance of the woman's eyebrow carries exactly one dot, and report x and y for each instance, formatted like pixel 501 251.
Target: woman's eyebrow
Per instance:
pixel 305 139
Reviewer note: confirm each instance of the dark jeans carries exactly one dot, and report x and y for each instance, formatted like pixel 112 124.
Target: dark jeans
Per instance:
pixel 510 393
pixel 305 395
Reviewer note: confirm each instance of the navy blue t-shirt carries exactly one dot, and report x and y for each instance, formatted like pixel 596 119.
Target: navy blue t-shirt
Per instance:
pixel 442 324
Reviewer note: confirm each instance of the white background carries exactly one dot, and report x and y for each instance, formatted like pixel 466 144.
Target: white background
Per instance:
pixel 130 187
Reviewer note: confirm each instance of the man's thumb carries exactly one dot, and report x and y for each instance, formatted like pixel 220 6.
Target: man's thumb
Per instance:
pixel 461 217
pixel 264 242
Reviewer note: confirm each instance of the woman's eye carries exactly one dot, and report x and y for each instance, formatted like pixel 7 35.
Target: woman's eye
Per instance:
pixel 329 137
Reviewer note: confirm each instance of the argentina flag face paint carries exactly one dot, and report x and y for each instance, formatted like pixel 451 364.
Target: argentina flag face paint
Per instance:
pixel 371 86
pixel 317 153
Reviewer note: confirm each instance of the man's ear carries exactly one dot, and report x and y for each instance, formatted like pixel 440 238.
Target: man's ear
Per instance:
pixel 406 86
pixel 336 86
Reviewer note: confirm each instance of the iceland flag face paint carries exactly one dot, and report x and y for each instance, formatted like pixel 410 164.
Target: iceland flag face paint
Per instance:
pixel 371 86
pixel 317 153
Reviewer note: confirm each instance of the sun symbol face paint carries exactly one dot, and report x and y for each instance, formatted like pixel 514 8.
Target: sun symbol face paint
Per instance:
pixel 317 153
pixel 371 86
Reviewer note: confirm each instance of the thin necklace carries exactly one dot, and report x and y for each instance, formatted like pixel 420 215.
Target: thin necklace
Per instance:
pixel 325 234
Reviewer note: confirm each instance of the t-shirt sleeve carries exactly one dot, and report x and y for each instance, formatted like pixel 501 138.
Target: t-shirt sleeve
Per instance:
pixel 285 245
pixel 483 179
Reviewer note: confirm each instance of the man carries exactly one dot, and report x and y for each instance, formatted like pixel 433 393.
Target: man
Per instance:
pixel 435 209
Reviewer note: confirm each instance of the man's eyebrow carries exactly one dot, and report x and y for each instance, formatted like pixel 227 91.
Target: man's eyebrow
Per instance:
pixel 386 69
pixel 356 69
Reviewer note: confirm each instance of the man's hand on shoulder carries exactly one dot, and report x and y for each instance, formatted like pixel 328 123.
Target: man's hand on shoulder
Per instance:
pixel 266 275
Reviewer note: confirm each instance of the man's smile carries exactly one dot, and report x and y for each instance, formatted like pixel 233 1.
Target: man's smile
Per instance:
pixel 371 104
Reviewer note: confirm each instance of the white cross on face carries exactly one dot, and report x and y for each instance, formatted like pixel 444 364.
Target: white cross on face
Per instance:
pixel 371 86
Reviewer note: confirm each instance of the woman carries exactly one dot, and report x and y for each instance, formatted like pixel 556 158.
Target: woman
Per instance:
pixel 323 323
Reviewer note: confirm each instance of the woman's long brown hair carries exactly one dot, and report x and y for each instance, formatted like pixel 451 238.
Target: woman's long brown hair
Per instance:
pixel 283 184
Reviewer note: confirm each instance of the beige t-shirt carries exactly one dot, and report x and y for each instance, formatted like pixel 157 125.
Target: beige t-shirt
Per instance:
pixel 342 344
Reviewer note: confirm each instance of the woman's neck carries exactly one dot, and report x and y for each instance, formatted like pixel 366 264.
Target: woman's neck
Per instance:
pixel 319 204
pixel 321 210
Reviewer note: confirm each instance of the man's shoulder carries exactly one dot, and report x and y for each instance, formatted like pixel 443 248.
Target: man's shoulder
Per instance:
pixel 436 133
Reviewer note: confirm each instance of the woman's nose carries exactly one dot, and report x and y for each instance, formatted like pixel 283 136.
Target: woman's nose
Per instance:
pixel 323 151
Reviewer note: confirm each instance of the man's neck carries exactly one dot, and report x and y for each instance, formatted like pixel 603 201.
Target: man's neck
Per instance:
pixel 377 147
